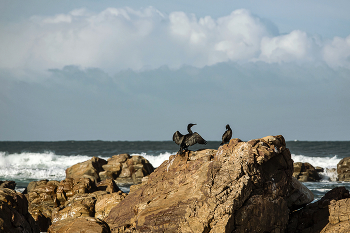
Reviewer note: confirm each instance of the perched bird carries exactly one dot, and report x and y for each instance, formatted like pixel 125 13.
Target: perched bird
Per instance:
pixel 187 140
pixel 227 135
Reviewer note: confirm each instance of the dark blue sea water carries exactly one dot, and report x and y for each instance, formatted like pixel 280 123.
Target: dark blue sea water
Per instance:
pixel 27 161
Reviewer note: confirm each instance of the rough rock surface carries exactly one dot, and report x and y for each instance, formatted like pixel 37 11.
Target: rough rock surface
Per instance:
pixel 81 224
pixel 42 199
pixel 314 217
pixel 14 216
pixel 47 199
pixel 8 184
pixel 88 169
pixel 242 187
pixel 126 169
pixel 96 204
pixel 339 216
pixel 306 172
pixel 122 168
pixel 343 169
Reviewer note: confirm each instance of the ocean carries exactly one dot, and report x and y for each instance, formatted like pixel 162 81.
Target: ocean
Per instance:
pixel 24 162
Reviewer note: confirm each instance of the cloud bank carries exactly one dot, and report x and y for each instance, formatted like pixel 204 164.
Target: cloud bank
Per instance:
pixel 124 38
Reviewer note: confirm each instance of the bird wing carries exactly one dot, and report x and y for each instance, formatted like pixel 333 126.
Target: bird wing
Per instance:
pixel 195 138
pixel 227 135
pixel 178 137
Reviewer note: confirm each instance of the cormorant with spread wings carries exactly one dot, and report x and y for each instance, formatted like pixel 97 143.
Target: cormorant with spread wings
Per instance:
pixel 187 140
pixel 227 135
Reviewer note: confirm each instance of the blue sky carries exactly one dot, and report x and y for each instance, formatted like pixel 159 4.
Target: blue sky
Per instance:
pixel 121 70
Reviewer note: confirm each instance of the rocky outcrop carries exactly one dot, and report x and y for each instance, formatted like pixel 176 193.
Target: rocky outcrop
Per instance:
pixel 126 169
pixel 14 216
pixel 122 168
pixel 242 187
pixel 306 172
pixel 343 169
pixel 88 169
pixel 314 217
pixel 50 201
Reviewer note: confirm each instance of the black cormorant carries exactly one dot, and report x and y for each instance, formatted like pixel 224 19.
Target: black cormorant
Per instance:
pixel 227 135
pixel 187 140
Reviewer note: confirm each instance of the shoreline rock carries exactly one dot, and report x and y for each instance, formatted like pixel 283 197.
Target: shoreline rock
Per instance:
pixel 241 187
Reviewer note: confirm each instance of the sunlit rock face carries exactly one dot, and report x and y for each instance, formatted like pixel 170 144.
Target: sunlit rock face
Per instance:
pixel 241 187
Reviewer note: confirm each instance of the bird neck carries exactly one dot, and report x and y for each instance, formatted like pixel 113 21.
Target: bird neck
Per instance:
pixel 189 130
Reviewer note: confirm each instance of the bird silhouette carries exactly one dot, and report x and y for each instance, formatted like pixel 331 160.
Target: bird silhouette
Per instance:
pixel 187 140
pixel 227 135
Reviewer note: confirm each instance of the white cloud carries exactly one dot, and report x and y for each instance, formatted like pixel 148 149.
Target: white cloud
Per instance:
pixel 295 46
pixel 122 38
pixel 337 52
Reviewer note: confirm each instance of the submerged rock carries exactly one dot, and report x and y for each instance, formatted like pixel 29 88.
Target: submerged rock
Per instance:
pixel 242 187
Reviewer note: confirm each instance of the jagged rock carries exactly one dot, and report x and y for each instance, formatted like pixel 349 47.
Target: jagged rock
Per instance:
pixel 81 224
pixel 242 187
pixel 95 204
pixel 343 169
pixel 126 169
pixel 8 184
pixel 107 185
pixel 314 217
pixel 79 205
pixel 69 187
pixel 105 203
pixel 42 200
pixel 339 217
pixel 88 169
pixel 305 172
pixel 14 216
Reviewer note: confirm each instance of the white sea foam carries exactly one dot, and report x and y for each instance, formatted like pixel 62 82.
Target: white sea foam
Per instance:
pixel 329 164
pixel 324 162
pixel 36 166
pixel 156 160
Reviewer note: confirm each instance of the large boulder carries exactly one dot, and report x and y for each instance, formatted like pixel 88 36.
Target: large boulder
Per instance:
pixel 14 216
pixel 306 172
pixel 343 170
pixel 299 196
pixel 88 169
pixel 314 217
pixel 242 187
pixel 126 169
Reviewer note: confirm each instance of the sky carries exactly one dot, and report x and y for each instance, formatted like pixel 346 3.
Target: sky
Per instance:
pixel 130 70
